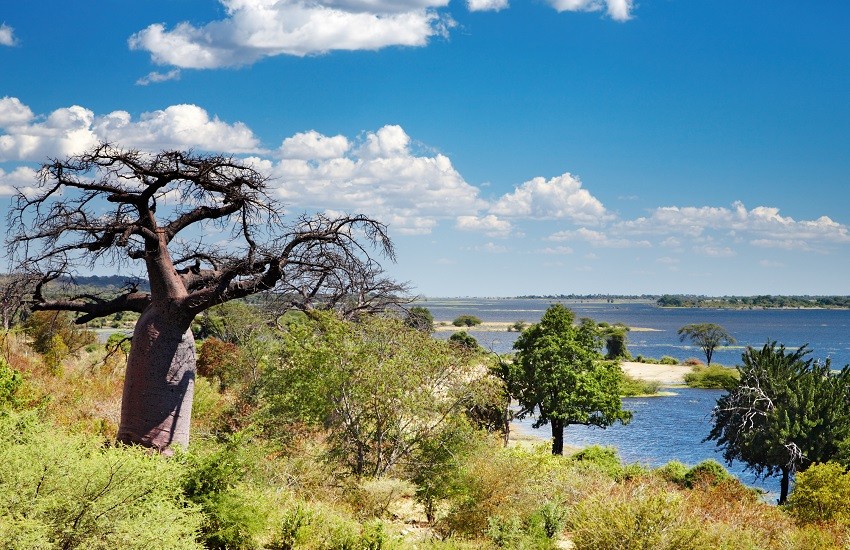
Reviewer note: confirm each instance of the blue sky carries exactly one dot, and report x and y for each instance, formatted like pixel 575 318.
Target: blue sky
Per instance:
pixel 556 146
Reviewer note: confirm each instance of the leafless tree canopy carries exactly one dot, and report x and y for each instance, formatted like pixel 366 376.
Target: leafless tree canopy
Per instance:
pixel 205 227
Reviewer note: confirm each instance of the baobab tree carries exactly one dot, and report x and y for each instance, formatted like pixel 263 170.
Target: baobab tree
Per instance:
pixel 204 229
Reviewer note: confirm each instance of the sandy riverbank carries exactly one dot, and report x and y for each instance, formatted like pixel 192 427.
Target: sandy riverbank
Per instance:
pixel 665 374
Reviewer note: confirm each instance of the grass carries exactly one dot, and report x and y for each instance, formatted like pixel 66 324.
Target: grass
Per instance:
pixel 711 377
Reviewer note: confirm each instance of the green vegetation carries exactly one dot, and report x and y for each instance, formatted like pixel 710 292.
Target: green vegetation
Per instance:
pixel 707 336
pixel 615 341
pixel 466 321
pixel 632 387
pixel 381 390
pixel 784 413
pixel 750 302
pixel 420 318
pixel 329 434
pixel 712 377
pixel 558 373
pixel 61 490
pixel 464 340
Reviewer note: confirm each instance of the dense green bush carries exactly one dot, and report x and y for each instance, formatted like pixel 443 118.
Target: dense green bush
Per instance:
pixel 11 382
pixel 822 493
pixel 604 459
pixel 707 472
pixel 232 518
pixel 668 360
pixel 711 377
pixel 464 340
pixel 674 472
pixel 420 318
pixel 466 321
pixel 55 335
pixel 70 491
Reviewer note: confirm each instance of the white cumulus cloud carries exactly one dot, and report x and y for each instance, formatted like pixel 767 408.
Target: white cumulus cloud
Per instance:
pixel 556 198
pixel 7 36
pixel 619 10
pixel 70 130
pixel 379 175
pixel 13 112
pixel 761 226
pixel 255 29
pixel 21 177
pixel 486 5
pixel 314 146
pixel 489 225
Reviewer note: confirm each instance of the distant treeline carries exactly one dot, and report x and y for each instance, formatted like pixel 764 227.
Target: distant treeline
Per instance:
pixel 608 297
pixel 765 301
pixel 106 281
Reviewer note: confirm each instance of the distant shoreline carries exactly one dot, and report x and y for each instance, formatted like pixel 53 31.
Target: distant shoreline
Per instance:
pixel 687 302
pixel 504 326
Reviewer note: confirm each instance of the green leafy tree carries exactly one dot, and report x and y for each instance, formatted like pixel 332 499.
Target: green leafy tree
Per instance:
pixel 52 329
pixel 420 318
pixel 381 389
pixel 615 341
pixel 708 336
pixel 785 413
pixel 559 374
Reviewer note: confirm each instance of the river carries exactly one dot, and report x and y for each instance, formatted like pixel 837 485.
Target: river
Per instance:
pixel 664 428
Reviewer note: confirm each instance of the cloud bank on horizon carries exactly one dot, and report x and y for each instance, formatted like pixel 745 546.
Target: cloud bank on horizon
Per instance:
pixel 386 174
pixel 257 29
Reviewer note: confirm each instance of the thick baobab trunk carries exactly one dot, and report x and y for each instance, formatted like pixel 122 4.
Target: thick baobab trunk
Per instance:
pixel 156 407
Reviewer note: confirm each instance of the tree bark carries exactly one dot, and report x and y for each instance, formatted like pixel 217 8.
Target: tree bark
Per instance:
pixel 156 407
pixel 783 486
pixel 557 436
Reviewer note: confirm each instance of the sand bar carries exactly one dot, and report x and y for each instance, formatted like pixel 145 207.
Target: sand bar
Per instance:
pixel 665 374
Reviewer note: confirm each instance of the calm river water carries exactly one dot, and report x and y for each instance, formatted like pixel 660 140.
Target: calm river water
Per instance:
pixel 665 428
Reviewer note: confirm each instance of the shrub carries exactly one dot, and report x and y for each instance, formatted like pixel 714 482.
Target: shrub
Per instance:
pixel 692 362
pixel 373 497
pixel 44 326
pixel 604 459
pixel 674 472
pixel 463 340
pixel 219 359
pixel 10 385
pixel 71 491
pixel 822 493
pixel 631 386
pixel 319 527
pixel 232 518
pixel 635 517
pixel 707 472
pixel 712 377
pixel 668 360
pixel 420 318
pixel 519 326
pixel 490 483
pixel 466 321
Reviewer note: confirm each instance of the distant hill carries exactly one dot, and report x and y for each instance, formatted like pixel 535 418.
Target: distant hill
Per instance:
pixel 106 281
